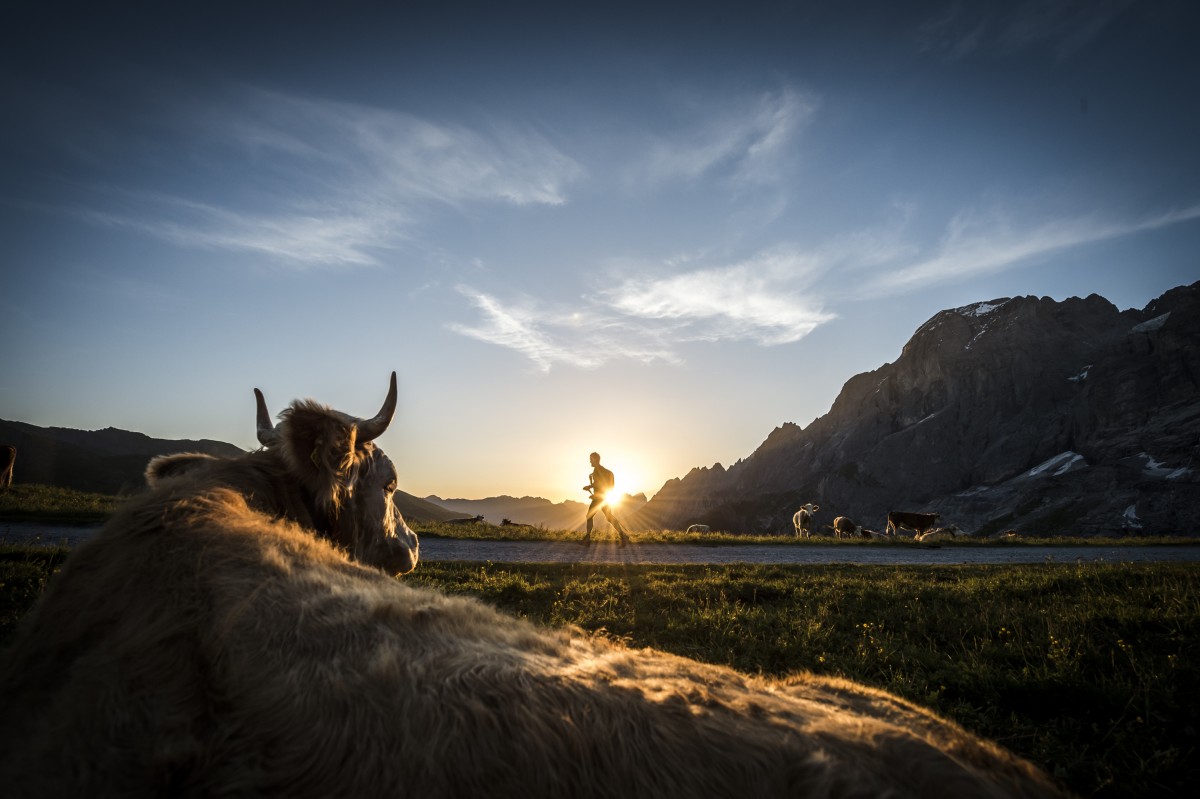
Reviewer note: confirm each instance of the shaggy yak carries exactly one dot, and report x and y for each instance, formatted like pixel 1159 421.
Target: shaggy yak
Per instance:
pixel 318 468
pixel 203 644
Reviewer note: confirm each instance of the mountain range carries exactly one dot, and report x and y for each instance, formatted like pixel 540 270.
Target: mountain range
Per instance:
pixel 536 511
pixel 1020 413
pixel 113 461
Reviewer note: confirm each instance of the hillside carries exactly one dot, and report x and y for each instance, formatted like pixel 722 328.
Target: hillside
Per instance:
pixel 415 509
pixel 1018 413
pixel 108 461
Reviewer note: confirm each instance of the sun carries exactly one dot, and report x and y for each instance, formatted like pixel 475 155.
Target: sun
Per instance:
pixel 628 480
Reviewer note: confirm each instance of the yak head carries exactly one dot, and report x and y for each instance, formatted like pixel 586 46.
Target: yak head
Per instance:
pixel 349 481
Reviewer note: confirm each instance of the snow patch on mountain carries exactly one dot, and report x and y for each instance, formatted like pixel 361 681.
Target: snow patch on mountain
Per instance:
pixel 1060 464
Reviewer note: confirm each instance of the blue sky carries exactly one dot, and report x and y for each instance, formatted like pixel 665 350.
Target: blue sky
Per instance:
pixel 567 226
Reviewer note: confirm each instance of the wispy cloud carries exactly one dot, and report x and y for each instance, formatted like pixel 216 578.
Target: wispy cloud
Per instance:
pixel 748 141
pixel 553 338
pixel 781 294
pixel 316 182
pixel 760 299
pixel 648 320
pixel 405 158
pixel 977 243
pixel 336 238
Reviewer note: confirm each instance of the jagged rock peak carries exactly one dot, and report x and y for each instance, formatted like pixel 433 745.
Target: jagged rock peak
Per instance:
pixel 1014 413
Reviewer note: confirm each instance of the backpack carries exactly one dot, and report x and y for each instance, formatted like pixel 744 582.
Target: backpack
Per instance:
pixel 604 480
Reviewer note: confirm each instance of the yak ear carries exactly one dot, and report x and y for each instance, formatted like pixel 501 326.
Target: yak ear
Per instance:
pixel 163 467
pixel 319 447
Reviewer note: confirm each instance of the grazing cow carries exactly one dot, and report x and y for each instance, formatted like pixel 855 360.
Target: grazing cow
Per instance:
pixel 201 646
pixel 8 459
pixel 467 520
pixel 318 468
pixel 842 526
pixel 698 528
pixel 802 519
pixel 919 523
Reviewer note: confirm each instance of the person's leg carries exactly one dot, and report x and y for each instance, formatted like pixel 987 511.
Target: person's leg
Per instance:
pixel 615 522
pixel 592 508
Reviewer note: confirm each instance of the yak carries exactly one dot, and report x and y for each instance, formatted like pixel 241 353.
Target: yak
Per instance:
pixel 318 467
pixel 209 642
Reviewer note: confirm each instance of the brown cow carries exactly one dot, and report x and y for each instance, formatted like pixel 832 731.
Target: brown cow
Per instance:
pixel 320 469
pixel 919 523
pixel 8 459
pixel 842 526
pixel 201 645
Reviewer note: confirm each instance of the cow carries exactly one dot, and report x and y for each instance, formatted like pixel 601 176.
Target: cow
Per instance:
pixel 842 526
pixel 467 520
pixel 8 459
pixel 698 528
pixel 318 467
pixel 205 644
pixel 919 523
pixel 802 519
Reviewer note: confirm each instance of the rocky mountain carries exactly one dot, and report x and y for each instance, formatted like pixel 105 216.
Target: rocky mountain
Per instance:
pixel 108 461
pixel 539 512
pixel 1016 413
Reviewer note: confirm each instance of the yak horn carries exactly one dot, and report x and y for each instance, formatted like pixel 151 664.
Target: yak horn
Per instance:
pixel 267 434
pixel 370 429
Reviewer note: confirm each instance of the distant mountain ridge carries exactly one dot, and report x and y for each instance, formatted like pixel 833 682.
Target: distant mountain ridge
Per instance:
pixel 539 512
pixel 108 461
pixel 1017 413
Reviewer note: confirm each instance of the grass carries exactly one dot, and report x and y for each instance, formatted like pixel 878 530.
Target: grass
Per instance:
pixel 1090 670
pixel 51 505
pixel 481 531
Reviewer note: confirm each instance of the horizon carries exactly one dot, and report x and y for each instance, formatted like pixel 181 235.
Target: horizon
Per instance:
pixel 656 233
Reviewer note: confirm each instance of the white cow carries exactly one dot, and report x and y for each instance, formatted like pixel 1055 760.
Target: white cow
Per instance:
pixel 802 519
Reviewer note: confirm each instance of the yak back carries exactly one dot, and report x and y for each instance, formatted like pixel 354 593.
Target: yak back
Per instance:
pixel 199 647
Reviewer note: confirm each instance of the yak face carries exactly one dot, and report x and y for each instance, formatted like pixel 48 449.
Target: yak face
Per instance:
pixel 350 481
pixel 346 484
pixel 378 534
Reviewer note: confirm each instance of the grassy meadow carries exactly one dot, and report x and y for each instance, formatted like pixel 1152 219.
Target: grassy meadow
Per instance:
pixel 50 505
pixel 1090 670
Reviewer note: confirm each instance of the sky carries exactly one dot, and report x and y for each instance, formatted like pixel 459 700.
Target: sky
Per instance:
pixel 653 230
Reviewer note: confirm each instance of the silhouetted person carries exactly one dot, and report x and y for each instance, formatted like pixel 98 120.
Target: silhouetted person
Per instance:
pixel 601 482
